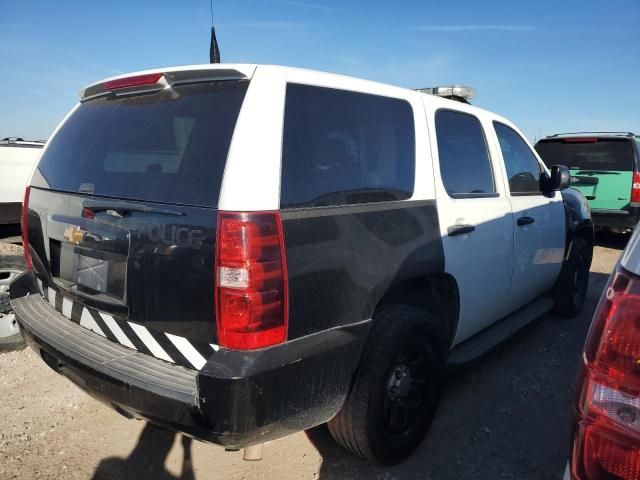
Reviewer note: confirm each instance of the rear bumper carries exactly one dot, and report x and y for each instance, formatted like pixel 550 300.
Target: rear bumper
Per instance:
pixel 619 219
pixel 236 399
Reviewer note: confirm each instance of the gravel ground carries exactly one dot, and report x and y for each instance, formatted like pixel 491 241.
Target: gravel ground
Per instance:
pixel 8 250
pixel 506 416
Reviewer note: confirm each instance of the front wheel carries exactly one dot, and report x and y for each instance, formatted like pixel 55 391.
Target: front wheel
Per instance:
pixel 397 388
pixel 570 291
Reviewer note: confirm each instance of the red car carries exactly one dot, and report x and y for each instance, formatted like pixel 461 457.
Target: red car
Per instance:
pixel 606 444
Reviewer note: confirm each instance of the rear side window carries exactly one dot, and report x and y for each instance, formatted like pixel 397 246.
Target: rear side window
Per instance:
pixel 523 169
pixel 343 148
pixel 615 154
pixel 465 166
pixel 170 146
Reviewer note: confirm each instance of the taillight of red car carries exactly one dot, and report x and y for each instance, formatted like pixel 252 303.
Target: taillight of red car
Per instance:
pixel 607 436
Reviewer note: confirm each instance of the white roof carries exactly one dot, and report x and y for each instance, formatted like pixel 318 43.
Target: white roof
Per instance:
pixel 246 71
pixel 301 75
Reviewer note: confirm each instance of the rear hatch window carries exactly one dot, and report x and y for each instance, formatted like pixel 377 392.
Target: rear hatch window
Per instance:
pixel 588 154
pixel 169 146
pixel 122 221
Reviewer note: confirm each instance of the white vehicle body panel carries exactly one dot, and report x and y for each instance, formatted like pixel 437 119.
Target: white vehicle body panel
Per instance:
pixel 538 247
pixel 255 153
pixel 631 256
pixel 16 165
pixel 469 257
pixel 253 162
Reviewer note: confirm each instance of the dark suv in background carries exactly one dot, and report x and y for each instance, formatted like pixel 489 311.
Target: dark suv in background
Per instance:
pixel 604 167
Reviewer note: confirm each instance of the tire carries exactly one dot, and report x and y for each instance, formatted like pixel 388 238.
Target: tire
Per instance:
pixel 570 291
pixel 10 336
pixel 402 367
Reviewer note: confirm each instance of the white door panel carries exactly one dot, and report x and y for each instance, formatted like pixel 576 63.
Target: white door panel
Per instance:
pixel 539 220
pixel 480 261
pixel 539 246
pixel 474 196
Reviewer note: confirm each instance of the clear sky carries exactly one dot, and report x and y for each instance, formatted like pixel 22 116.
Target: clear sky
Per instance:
pixel 549 66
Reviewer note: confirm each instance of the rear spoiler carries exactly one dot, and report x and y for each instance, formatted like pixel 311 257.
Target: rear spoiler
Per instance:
pixel 151 80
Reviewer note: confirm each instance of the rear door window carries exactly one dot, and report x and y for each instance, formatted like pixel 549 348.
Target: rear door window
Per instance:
pixel 598 154
pixel 342 147
pixel 170 146
pixel 523 169
pixel 465 166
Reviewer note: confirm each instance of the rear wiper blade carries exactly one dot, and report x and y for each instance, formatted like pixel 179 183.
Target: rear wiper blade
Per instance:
pixel 125 207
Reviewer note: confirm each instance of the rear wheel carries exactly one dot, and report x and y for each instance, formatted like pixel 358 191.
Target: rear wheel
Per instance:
pixel 10 336
pixel 397 389
pixel 570 291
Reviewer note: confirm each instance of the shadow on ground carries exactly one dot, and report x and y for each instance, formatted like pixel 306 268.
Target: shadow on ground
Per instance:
pixel 147 459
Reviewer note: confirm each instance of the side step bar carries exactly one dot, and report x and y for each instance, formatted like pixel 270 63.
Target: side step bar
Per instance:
pixel 492 336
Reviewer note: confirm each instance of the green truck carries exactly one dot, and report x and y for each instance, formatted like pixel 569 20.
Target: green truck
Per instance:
pixel 604 167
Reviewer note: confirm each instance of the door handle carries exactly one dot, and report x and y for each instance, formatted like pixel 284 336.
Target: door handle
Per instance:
pixel 459 230
pixel 525 221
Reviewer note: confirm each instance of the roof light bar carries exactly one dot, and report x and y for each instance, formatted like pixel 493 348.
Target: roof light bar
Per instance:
pixel 451 91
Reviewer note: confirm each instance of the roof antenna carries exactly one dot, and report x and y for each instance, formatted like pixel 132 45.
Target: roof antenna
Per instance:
pixel 214 51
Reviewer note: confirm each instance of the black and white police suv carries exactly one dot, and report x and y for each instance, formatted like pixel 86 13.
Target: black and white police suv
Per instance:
pixel 240 252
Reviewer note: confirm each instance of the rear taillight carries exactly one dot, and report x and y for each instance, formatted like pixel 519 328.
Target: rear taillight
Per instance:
pixel 635 188
pixel 134 81
pixel 607 436
pixel 251 280
pixel 24 226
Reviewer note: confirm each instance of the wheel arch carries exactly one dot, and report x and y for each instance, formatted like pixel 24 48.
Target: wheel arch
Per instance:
pixel 585 232
pixel 436 294
pixel 578 220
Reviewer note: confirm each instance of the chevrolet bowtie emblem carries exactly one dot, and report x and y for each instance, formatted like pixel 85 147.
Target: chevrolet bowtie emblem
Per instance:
pixel 74 234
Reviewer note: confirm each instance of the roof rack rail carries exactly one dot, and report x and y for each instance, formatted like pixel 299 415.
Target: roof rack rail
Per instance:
pixel 19 142
pixel 625 134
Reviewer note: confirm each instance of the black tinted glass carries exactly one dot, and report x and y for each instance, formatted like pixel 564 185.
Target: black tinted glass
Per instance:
pixel 169 146
pixel 594 154
pixel 344 147
pixel 464 160
pixel 523 169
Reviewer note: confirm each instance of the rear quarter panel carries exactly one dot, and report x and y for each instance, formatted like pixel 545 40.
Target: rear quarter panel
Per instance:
pixel 340 260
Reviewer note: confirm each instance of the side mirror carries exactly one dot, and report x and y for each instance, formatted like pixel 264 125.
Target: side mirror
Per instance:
pixel 559 178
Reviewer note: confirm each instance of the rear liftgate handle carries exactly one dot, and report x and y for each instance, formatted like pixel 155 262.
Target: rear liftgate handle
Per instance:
pixel 525 221
pixel 459 230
